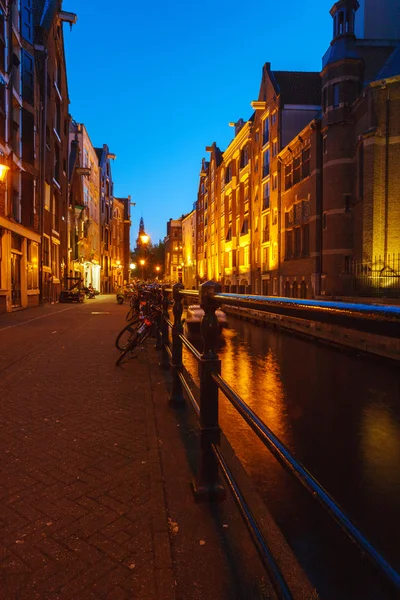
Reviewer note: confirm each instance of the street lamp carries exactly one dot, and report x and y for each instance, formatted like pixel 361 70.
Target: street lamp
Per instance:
pixel 144 238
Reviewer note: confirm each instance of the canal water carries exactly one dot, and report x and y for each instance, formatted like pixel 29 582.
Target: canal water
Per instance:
pixel 339 414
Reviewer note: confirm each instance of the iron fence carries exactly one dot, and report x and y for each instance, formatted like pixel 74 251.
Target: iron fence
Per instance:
pixel 207 484
pixel 377 278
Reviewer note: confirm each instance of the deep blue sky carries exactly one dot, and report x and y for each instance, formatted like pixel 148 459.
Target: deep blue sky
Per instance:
pixel 158 81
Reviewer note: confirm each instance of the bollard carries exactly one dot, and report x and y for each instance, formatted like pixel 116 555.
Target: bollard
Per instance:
pixel 208 485
pixel 177 398
pixel 164 362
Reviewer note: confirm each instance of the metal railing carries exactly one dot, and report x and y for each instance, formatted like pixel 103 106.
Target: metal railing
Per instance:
pixel 207 483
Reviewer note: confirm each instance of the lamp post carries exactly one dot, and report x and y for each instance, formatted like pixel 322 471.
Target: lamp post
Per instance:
pixel 142 263
pixel 144 240
pixel 158 268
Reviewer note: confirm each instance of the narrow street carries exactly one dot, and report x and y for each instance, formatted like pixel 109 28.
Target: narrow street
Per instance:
pixel 95 497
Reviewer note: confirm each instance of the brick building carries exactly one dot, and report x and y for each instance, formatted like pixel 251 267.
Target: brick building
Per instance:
pixel 120 227
pixel 173 251
pixel 189 250
pixel 104 157
pixel 34 146
pixel 305 200
pixel 85 260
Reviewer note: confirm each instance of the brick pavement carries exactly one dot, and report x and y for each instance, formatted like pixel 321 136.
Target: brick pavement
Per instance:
pixel 82 512
pixel 95 501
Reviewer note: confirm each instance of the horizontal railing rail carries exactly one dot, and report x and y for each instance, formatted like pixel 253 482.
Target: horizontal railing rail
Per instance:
pixel 376 319
pixel 207 484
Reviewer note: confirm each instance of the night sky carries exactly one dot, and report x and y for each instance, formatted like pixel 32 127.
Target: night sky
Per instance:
pixel 160 81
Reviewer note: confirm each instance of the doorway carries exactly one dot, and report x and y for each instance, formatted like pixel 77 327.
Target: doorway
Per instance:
pixel 15 280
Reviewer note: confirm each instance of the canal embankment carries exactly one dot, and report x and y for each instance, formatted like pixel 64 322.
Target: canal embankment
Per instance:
pixel 337 335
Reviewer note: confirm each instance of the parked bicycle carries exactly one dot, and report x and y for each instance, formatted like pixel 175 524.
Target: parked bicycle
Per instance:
pixel 135 334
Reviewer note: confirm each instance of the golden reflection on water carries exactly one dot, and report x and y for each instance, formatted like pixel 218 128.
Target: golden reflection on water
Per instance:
pixel 257 379
pixel 380 448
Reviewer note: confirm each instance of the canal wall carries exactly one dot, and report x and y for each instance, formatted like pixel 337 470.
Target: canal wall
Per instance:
pixel 380 345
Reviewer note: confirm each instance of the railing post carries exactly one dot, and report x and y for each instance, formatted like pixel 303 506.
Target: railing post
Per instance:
pixel 159 320
pixel 164 362
pixel 177 398
pixel 207 485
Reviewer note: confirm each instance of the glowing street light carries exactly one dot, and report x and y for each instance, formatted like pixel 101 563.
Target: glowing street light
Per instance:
pixel 144 238
pixel 132 266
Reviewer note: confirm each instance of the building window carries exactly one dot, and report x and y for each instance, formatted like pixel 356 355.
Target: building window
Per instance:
pixel 57 164
pixel 57 120
pixel 305 163
pixel 265 131
pixel 46 251
pixel 266 232
pixel 336 94
pixel 265 163
pixel 306 240
pixel 288 176
pixel 275 181
pixel 55 260
pixel 297 241
pixel 274 148
pixel 266 196
pixel 275 216
pixel 273 118
pixel 244 157
pixel 296 170
pixel 289 244
pixel 228 173
pixel 27 77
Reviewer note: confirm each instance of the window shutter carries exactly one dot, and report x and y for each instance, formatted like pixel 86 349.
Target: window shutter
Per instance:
pixel 27 20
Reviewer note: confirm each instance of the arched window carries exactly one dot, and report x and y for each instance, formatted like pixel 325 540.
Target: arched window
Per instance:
pixel 295 289
pixel 287 289
pixel 303 289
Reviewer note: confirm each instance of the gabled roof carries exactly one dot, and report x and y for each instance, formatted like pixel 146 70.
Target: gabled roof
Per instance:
pixel 298 87
pixel 391 68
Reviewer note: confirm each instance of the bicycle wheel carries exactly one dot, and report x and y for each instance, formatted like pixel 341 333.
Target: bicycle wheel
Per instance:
pixel 129 348
pixel 125 335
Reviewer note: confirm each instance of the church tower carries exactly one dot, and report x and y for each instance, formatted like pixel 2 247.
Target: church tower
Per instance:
pixel 342 77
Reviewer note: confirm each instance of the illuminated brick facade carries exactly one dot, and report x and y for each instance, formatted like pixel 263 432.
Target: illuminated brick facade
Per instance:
pixel 308 189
